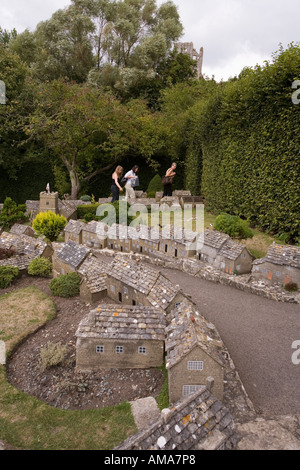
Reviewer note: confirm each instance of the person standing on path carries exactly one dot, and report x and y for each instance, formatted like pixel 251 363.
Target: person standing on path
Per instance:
pixel 116 183
pixel 168 178
pixel 131 178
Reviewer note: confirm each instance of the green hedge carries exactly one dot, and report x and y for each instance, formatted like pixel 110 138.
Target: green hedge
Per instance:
pixel 250 146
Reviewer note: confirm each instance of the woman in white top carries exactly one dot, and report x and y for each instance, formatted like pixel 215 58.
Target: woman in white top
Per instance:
pixel 131 177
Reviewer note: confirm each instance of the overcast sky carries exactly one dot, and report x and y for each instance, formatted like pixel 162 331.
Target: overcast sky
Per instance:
pixel 234 33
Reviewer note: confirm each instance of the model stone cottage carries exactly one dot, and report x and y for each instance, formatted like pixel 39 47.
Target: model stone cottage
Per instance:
pixel 195 352
pixel 131 283
pixel 127 338
pixel 68 258
pixel 281 264
pixel 219 250
pixel 92 271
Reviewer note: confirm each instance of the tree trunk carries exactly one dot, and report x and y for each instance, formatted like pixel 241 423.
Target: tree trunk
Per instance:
pixel 75 185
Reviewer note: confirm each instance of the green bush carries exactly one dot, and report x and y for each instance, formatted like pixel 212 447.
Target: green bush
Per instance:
pixel 233 226
pixel 52 355
pixel 49 224
pixel 291 287
pixel 155 185
pixel 7 275
pixel 82 211
pixel 12 213
pixel 41 267
pixel 67 285
pixel 86 198
pixel 151 194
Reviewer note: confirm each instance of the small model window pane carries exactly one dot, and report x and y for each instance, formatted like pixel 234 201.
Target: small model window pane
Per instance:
pixel 190 389
pixel 119 349
pixel 112 289
pixel 99 349
pixel 195 365
pixel 142 350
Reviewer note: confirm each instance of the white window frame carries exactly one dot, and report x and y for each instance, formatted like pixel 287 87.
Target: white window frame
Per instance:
pixel 195 365
pixel 188 390
pixel 99 349
pixel 119 350
pixel 142 350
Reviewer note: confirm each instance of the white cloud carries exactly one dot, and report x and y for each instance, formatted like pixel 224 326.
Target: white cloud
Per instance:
pixel 234 33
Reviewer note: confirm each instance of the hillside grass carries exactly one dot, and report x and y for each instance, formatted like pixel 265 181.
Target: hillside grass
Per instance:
pixel 28 423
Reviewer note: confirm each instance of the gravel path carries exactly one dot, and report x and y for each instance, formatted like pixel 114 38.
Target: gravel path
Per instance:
pixel 258 334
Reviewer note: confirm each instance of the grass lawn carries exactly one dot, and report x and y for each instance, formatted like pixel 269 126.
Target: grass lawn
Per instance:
pixel 27 423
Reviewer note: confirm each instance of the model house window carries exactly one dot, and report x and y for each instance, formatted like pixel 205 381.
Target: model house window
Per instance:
pixel 177 305
pixel 119 349
pixel 190 389
pixel 134 303
pixel 244 255
pixel 120 297
pixel 142 350
pixel 278 274
pixel 125 290
pixel 166 248
pixel 112 289
pixel 176 253
pixel 195 365
pixel 99 349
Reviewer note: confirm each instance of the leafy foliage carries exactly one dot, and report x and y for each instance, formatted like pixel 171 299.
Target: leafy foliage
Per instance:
pixel 49 224
pixel 41 267
pixel 233 226
pixel 7 275
pixel 11 213
pixel 67 285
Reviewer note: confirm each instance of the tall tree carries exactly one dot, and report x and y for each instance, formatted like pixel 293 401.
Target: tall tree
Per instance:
pixel 88 131
pixel 63 46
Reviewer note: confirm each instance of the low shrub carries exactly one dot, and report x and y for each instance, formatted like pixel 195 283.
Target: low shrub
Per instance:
pixel 151 194
pixel 83 210
pixel 233 226
pixel 67 285
pixel 49 224
pixel 5 253
pixel 41 267
pixel 7 275
pixel 155 185
pixel 291 287
pixel 11 213
pixel 86 198
pixel 52 355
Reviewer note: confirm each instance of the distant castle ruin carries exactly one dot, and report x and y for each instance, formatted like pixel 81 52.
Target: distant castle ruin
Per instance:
pixel 188 48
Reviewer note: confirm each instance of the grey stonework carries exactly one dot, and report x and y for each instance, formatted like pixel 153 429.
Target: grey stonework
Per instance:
pixel 200 422
pixel 127 337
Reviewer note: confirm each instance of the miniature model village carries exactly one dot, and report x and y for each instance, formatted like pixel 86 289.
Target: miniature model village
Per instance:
pixel 150 319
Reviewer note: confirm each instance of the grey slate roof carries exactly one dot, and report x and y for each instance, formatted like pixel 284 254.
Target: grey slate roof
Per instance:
pixel 20 229
pixel 72 254
pixel 173 232
pixel 19 261
pixel 133 274
pixel 162 293
pixel 284 255
pixel 188 329
pixel 23 243
pixel 144 232
pixel 231 250
pixel 126 322
pixel 215 239
pixel 94 272
pixel 74 226
pixel 195 423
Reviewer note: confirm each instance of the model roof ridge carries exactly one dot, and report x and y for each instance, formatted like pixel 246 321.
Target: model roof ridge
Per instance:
pixel 187 330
